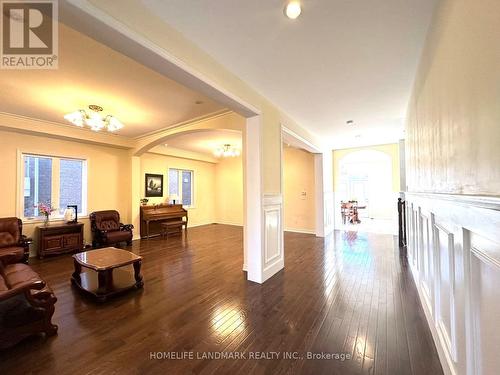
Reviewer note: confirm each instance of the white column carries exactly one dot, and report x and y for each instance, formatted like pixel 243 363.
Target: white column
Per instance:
pixel 323 174
pixel 252 190
pixel 135 192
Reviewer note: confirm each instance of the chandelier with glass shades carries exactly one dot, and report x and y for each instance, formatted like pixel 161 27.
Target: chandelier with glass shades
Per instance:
pixel 94 119
pixel 227 151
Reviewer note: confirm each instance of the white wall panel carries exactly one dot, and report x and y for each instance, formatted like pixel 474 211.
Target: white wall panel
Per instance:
pixel 454 255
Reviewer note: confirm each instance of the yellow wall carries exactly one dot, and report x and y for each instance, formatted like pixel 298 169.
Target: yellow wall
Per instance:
pixel 391 149
pixel 229 191
pixel 203 211
pixel 108 173
pixel 453 125
pixel 298 177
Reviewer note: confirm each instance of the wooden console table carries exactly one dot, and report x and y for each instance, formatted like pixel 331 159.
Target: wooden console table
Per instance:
pixel 59 238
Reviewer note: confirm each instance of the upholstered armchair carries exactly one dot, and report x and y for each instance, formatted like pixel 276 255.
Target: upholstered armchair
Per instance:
pixel 12 241
pixel 26 303
pixel 107 229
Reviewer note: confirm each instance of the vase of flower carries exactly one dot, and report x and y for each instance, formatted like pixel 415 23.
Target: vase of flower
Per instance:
pixel 45 209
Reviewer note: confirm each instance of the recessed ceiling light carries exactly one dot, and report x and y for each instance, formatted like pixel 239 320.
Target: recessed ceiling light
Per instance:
pixel 198 102
pixel 357 136
pixel 350 122
pixel 293 9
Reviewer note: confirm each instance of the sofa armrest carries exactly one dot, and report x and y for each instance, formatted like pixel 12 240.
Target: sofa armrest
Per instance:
pixel 126 227
pixel 23 287
pixel 41 297
pixel 9 258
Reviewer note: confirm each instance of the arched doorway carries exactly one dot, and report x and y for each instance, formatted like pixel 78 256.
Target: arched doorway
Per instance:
pixel 366 176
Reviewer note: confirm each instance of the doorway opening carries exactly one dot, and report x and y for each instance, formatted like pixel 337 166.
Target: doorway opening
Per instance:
pixel 366 191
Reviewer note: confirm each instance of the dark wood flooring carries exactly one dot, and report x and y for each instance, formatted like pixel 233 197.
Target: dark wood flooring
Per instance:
pixel 351 295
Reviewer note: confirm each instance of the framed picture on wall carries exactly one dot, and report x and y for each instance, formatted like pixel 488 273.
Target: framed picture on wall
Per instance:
pixel 153 185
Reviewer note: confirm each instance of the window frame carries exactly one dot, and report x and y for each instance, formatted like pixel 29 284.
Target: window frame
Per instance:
pixel 179 180
pixel 55 184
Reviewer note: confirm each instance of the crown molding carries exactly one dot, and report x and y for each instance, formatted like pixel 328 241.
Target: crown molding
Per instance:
pixel 32 126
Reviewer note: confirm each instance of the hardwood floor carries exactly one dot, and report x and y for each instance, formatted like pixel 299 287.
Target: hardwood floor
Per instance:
pixel 352 295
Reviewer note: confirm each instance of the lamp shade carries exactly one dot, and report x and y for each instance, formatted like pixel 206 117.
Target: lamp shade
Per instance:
pixel 76 118
pixel 174 197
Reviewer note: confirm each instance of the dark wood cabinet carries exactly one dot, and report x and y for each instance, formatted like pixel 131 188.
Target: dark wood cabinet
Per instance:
pixel 59 238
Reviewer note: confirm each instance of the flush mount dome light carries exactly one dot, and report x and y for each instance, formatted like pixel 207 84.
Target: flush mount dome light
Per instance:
pixel 94 119
pixel 293 9
pixel 226 151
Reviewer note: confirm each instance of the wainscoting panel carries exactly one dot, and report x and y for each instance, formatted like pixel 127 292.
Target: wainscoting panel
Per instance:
pixel 426 259
pixel 445 289
pixel 454 255
pixel 484 302
pixel 273 259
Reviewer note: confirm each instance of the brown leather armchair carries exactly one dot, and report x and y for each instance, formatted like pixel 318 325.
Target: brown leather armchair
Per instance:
pixel 12 241
pixel 107 229
pixel 26 303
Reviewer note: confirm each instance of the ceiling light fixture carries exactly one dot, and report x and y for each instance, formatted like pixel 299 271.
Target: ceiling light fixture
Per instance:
pixel 293 9
pixel 226 151
pixel 350 122
pixel 94 119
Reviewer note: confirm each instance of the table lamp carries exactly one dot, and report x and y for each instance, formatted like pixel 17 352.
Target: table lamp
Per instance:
pixel 174 198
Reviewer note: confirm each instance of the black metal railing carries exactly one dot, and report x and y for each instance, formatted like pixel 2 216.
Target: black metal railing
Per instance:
pixel 402 222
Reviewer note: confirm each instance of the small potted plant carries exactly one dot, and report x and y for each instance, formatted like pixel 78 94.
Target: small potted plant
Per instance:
pixel 144 201
pixel 45 209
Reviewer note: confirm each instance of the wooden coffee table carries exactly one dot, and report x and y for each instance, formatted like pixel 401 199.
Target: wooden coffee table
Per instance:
pixel 109 274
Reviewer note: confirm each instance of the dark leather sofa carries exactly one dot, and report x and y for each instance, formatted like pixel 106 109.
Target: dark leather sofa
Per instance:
pixel 107 229
pixel 26 302
pixel 12 241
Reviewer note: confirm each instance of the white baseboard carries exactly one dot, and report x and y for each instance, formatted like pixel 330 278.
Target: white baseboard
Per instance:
pixel 228 223
pixel 199 224
pixel 298 230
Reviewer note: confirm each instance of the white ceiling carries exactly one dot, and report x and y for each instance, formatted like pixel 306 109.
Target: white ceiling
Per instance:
pixel 340 60
pixel 206 141
pixel 92 73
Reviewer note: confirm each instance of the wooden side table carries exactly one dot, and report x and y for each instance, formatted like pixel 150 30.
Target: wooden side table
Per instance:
pixel 59 238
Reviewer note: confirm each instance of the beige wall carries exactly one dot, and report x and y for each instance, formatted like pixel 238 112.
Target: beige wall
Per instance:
pixel 203 211
pixel 229 191
pixel 453 126
pixel 298 178
pixel 108 173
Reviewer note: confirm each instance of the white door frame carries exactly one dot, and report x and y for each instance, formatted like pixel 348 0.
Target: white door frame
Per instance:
pixel 323 184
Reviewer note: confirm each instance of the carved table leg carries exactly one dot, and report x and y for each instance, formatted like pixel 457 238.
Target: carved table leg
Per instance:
pixel 137 274
pixel 78 271
pixel 105 282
